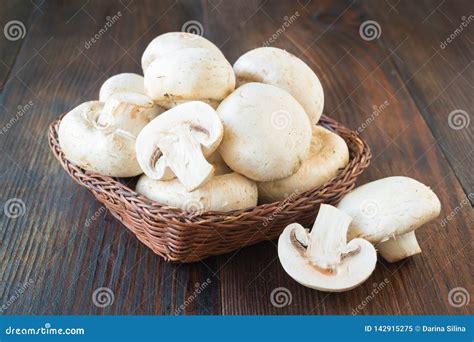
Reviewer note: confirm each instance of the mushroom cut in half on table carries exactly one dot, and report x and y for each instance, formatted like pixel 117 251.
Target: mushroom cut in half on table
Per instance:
pixel 323 259
pixel 267 132
pixel 387 212
pixel 176 144
pixel 181 67
pixel 100 136
pixel 282 69
pixel 328 155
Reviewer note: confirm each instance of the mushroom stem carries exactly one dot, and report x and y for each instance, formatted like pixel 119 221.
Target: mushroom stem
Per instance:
pixel 185 158
pixel 399 247
pixel 328 238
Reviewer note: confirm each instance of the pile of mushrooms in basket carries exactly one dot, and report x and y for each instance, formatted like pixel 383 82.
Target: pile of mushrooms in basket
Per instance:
pixel 197 129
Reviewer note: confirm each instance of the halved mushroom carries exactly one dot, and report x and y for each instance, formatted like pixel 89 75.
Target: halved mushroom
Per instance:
pixel 187 75
pixel 387 211
pixel 222 193
pixel 100 137
pixel 323 259
pixel 282 69
pixel 267 132
pixel 170 43
pixel 328 155
pixel 177 142
pixel 122 83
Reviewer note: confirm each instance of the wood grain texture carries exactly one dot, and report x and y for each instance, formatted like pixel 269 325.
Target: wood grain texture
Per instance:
pixel 69 246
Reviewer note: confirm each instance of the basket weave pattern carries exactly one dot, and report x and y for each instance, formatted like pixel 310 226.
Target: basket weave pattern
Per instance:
pixel 181 236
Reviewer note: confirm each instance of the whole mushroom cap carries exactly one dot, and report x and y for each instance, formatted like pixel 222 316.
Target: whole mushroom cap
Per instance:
pixel 389 207
pixel 171 42
pixel 122 83
pixel 282 69
pixel 190 74
pixel 267 133
pixel 222 193
pixel 328 155
pixel 107 147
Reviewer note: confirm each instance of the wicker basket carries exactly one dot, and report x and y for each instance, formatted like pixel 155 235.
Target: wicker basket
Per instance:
pixel 181 236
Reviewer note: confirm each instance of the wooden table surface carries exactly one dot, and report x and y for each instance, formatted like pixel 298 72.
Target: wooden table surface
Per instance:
pixel 417 66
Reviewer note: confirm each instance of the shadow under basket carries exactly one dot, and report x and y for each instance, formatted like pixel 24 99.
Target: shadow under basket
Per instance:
pixel 181 236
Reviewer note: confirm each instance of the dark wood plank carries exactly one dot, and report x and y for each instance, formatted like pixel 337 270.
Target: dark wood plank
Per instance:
pixel 67 255
pixel 15 19
pixel 53 244
pixel 437 70
pixel 356 75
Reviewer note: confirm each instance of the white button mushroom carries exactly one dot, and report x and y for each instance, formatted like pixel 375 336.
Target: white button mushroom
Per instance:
pixel 187 75
pixel 122 83
pixel 328 154
pixel 100 137
pixel 323 259
pixel 267 132
pixel 279 68
pixel 181 67
pixel 176 143
pixel 171 42
pixel 387 211
pixel 222 193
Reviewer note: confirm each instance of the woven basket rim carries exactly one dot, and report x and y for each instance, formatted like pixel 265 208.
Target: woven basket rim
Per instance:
pixel 359 161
